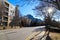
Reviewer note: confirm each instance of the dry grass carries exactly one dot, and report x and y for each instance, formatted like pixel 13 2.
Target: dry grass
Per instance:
pixel 55 36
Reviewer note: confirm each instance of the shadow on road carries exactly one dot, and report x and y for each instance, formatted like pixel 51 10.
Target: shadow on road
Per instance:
pixel 48 38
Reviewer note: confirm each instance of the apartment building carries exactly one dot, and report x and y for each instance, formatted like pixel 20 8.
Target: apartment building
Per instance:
pixel 7 11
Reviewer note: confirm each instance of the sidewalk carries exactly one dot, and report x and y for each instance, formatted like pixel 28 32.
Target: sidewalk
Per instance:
pixel 30 37
pixel 39 36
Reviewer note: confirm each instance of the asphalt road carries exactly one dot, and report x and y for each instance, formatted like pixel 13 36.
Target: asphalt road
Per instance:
pixel 19 34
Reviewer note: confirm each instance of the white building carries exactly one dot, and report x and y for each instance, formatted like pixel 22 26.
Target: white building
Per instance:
pixel 8 11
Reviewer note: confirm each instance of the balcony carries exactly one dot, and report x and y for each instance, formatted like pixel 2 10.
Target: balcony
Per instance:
pixel 5 19
pixel 4 23
pixel 6 14
pixel 6 4
pixel 0 12
pixel 6 9
pixel 0 18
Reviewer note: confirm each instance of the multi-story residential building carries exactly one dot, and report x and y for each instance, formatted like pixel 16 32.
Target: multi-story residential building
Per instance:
pixel 7 11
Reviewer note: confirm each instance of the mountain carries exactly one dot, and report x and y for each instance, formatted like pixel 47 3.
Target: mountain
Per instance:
pixel 32 18
pixel 29 17
pixel 32 21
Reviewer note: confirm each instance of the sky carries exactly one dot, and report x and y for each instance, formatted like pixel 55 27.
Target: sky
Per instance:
pixel 25 8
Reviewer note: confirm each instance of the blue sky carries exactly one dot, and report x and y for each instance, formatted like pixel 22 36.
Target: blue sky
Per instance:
pixel 26 8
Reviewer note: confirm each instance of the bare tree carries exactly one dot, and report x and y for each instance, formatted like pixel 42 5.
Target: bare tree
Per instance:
pixel 46 10
pixel 54 2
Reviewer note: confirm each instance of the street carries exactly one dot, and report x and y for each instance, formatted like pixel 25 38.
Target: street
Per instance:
pixel 19 34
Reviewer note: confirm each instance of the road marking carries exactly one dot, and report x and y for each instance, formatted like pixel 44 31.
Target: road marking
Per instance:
pixel 32 35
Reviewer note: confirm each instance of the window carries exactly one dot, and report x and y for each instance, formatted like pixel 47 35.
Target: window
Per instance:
pixel 12 11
